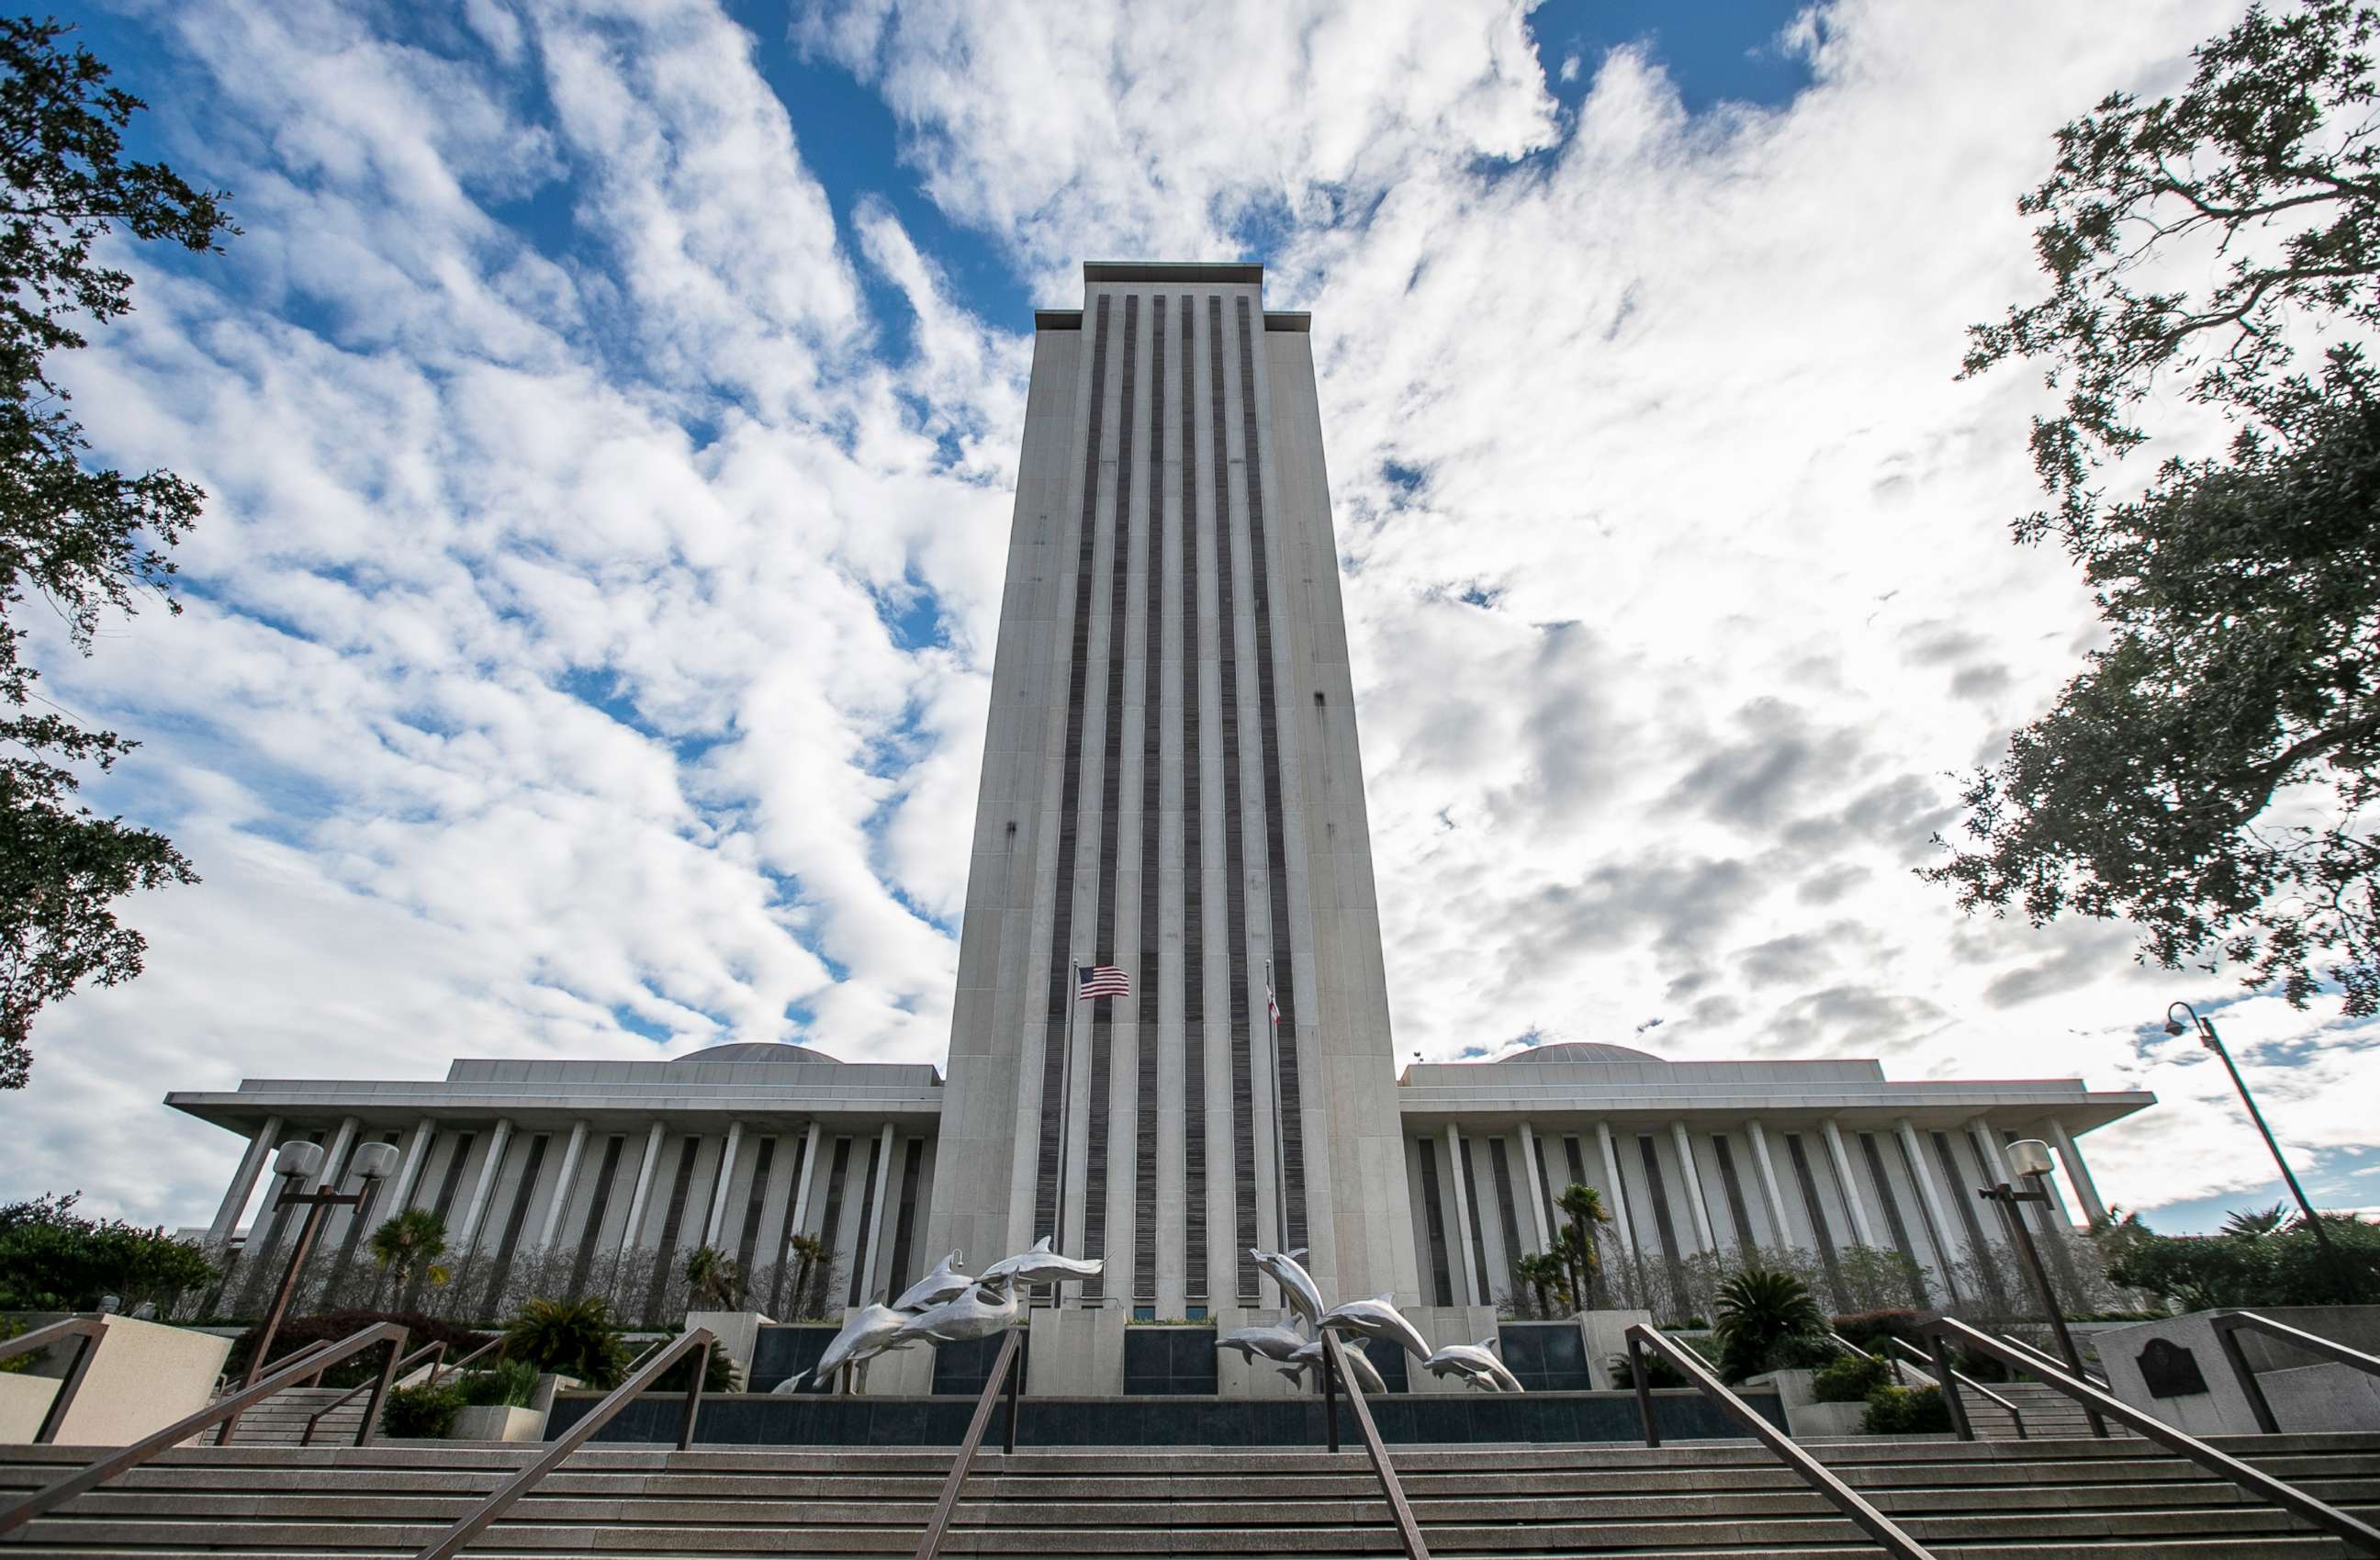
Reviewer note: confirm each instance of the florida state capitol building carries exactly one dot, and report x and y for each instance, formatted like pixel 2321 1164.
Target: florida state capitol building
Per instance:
pixel 1171 788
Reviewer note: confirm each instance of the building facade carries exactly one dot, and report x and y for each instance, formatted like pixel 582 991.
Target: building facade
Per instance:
pixel 1171 787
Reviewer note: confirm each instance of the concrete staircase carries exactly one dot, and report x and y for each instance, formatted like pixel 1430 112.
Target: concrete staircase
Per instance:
pixel 280 1420
pixel 2005 1500
pixel 2049 1414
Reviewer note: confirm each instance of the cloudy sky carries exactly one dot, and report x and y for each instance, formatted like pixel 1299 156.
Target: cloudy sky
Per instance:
pixel 608 413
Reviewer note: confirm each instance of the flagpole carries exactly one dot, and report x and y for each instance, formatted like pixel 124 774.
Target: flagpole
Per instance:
pixel 1280 1157
pixel 1066 1102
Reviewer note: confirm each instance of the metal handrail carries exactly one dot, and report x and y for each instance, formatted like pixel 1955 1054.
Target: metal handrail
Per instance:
pixel 91 1330
pixel 1004 1374
pixel 181 1430
pixel 2228 1325
pixel 433 1351
pixel 1815 1474
pixel 310 1353
pixel 1970 1383
pixel 1848 1347
pixel 470 1525
pixel 2035 1357
pixel 2320 1513
pixel 499 1342
pixel 1408 1531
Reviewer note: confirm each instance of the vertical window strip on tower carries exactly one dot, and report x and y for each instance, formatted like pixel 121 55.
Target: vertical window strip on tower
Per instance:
pixel 1433 1218
pixel 1509 1218
pixel 831 1221
pixel 1235 883
pixel 1736 1208
pixel 1152 876
pixel 748 1239
pixel 904 1225
pixel 1058 1029
pixel 1193 855
pixel 1939 1238
pixel 1292 1150
pixel 792 1211
pixel 598 1204
pixel 1979 1248
pixel 657 1298
pixel 1095 1166
pixel 861 1257
pixel 1892 1219
pixel 453 1176
pixel 1808 1183
pixel 1466 1164
pixel 1661 1219
pixel 492 1298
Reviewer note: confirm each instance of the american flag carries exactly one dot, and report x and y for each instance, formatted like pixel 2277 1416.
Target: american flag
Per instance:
pixel 1101 980
pixel 1272 1009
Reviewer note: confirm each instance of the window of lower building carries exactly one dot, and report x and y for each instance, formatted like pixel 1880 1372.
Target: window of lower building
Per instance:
pixel 1144 1314
pixel 1194 1313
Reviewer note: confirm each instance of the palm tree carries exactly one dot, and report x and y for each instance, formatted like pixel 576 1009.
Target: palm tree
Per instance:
pixel 1759 1307
pixel 713 1281
pixel 1545 1274
pixel 810 1255
pixel 1583 1205
pixel 2254 1223
pixel 405 1244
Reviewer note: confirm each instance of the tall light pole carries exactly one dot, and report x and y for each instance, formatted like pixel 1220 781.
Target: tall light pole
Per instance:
pixel 2029 1160
pixel 2214 1042
pixel 297 1164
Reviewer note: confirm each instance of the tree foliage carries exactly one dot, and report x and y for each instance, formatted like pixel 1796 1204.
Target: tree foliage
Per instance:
pixel 2205 776
pixel 2250 1264
pixel 1760 1310
pixel 85 541
pixel 54 1259
pixel 578 1338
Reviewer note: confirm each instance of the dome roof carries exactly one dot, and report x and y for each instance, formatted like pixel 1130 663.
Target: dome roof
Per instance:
pixel 1580 1050
pixel 758 1050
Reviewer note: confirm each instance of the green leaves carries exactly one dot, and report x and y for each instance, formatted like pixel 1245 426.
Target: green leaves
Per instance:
pixel 54 1259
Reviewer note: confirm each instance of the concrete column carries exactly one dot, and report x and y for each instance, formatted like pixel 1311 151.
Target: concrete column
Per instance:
pixel 408 1170
pixel 1619 1209
pixel 335 1155
pixel 468 1235
pixel 1533 1194
pixel 644 1188
pixel 871 1256
pixel 1462 1214
pixel 1686 1146
pixel 1994 1162
pixel 243 1181
pixel 1945 1244
pixel 563 1182
pixel 1849 1182
pixel 1768 1183
pixel 810 1176
pixel 2077 1175
pixel 726 1175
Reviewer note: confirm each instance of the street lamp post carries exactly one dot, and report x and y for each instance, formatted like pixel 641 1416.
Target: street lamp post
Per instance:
pixel 2029 1160
pixel 297 1164
pixel 2214 1042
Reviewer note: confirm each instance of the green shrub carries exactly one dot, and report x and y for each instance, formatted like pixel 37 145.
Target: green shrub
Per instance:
pixel 1905 1410
pixel 1850 1379
pixel 1868 1329
pixel 2288 1266
pixel 329 1327
pixel 578 1338
pixel 1804 1353
pixel 508 1383
pixel 718 1376
pixel 421 1413
pixel 54 1259
pixel 1658 1371
pixel 1759 1308
pixel 17 1362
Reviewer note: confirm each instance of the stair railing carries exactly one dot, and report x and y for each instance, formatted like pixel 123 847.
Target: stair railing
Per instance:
pixel 2288 1496
pixel 2229 1325
pixel 1334 1364
pixel 1814 1473
pixel 89 1331
pixel 1005 1376
pixel 222 1408
pixel 1970 1383
pixel 432 1352
pixel 2035 1356
pixel 500 1499
pixel 499 1342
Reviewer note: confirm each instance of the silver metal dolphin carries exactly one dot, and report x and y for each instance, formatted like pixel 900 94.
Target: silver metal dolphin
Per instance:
pixel 1475 1363
pixel 1297 1285
pixel 977 1313
pixel 1367 1377
pixel 1276 1343
pixel 1377 1318
pixel 871 1330
pixel 945 1282
pixel 1040 1265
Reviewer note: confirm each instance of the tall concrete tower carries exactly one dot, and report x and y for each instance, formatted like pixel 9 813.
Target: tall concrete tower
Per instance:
pixel 1171 786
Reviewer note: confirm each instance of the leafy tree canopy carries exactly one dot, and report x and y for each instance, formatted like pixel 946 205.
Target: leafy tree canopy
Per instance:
pixel 52 1258
pixel 2205 776
pixel 85 541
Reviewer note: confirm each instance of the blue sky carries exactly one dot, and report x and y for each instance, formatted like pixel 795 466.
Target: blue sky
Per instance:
pixel 608 413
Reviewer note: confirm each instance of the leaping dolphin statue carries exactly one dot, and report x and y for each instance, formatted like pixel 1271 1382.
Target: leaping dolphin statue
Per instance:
pixel 1297 1285
pixel 871 1330
pixel 976 1313
pixel 1039 1265
pixel 1276 1343
pixel 1367 1377
pixel 1475 1363
pixel 945 1282
pixel 1377 1318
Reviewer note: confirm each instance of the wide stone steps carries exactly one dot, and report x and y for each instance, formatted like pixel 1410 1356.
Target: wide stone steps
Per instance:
pixel 280 1420
pixel 2064 1500
pixel 2049 1414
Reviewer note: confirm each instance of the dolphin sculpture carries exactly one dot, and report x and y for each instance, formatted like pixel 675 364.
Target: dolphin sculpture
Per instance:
pixel 871 1330
pixel 1039 1265
pixel 1296 1284
pixel 1276 1343
pixel 1475 1363
pixel 1360 1369
pixel 945 1282
pixel 976 1313
pixel 1377 1318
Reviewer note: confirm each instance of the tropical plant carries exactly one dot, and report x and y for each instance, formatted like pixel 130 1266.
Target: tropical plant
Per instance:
pixel 1546 1276
pixel 406 1244
pixel 54 1259
pixel 813 1263
pixel 2253 1222
pixel 1583 1206
pixel 1850 1378
pixel 421 1413
pixel 720 1374
pixel 1906 1411
pixel 579 1338
pixel 1759 1310
pixel 713 1281
pixel 507 1383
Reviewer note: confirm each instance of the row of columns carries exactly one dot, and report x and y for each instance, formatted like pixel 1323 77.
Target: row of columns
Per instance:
pixel 1938 1209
